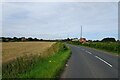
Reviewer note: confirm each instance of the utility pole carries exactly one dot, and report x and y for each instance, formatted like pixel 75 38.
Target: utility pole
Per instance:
pixel 81 31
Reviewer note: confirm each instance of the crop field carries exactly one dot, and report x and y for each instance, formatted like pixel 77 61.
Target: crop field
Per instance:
pixel 11 50
pixel 0 52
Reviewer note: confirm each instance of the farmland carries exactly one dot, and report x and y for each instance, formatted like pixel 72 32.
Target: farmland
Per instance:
pixel 33 59
pixel 11 50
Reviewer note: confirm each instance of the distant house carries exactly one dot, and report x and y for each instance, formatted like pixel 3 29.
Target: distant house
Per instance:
pixel 23 39
pixel 75 39
pixel 83 40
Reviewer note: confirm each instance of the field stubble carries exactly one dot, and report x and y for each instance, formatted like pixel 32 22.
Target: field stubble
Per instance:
pixel 12 50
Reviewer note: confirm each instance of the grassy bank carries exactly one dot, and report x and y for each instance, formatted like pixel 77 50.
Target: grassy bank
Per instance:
pixel 112 47
pixel 35 66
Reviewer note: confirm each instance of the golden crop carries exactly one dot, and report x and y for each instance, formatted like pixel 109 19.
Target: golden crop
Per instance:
pixel 11 50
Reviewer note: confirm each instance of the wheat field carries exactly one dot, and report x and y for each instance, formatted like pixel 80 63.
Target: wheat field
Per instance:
pixel 11 50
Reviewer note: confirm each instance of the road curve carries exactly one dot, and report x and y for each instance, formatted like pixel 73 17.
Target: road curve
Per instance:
pixel 90 63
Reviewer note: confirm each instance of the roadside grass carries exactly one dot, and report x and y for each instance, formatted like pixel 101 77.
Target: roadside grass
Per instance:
pixel 35 66
pixel 112 47
pixel 49 67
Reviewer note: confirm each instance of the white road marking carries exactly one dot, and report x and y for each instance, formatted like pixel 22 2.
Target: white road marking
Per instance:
pixel 88 52
pixel 103 61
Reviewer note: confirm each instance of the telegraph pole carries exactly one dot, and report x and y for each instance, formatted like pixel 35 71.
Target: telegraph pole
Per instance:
pixel 81 31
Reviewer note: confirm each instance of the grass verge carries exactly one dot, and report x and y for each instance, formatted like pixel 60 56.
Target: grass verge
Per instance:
pixel 111 47
pixel 37 66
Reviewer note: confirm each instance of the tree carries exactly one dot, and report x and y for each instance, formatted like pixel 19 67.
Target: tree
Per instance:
pixel 108 40
pixel 35 39
pixel 6 39
pixel 68 39
pixel 96 41
pixel 30 39
pixel 41 39
pixel 15 39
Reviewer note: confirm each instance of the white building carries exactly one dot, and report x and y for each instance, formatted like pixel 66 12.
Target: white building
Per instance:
pixel 75 39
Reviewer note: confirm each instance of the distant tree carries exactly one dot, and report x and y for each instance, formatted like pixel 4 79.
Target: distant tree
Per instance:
pixel 3 39
pixel 35 39
pixel 68 39
pixel 89 40
pixel 6 39
pixel 15 39
pixel 96 41
pixel 19 39
pixel 41 39
pixel 30 39
pixel 108 40
pixel 118 40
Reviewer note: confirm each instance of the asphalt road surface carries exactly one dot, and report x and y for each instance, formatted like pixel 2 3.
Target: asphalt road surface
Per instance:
pixel 90 63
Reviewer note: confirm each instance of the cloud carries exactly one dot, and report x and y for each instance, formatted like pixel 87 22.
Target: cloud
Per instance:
pixel 49 20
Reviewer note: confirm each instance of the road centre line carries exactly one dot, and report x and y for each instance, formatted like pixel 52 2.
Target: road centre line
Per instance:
pixel 103 61
pixel 88 52
pixel 100 59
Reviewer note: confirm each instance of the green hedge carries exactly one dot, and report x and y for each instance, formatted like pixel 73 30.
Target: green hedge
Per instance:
pixel 107 46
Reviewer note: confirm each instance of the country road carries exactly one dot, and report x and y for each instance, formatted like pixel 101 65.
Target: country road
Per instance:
pixel 90 63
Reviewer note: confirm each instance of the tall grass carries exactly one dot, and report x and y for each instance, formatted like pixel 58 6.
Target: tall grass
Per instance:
pixel 36 66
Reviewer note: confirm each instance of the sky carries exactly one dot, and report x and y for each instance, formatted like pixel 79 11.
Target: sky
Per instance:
pixel 59 20
pixel 59 0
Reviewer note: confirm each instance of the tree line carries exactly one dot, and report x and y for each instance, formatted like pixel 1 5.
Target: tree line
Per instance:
pixel 16 39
